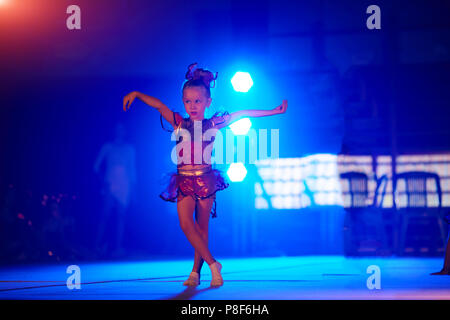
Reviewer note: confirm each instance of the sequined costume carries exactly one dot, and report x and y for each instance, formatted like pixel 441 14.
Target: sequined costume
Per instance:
pixel 201 180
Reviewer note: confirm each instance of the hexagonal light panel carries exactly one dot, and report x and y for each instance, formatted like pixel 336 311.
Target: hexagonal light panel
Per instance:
pixel 242 81
pixel 241 126
pixel 236 172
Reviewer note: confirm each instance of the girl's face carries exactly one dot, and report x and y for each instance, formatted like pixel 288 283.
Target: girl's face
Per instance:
pixel 195 102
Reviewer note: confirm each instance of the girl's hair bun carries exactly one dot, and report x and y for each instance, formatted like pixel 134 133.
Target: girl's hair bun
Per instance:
pixel 206 76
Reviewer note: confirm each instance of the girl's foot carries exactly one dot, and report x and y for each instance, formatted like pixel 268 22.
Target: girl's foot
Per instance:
pixel 217 280
pixel 193 280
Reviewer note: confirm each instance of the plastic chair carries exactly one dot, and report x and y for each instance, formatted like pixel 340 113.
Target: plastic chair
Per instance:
pixel 417 192
pixel 380 190
pixel 360 213
pixel 357 187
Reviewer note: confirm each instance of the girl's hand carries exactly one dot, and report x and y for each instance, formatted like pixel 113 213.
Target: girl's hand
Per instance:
pixel 282 108
pixel 128 100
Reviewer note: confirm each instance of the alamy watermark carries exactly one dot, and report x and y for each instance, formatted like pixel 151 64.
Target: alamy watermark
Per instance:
pixel 257 146
pixel 374 20
pixel 74 280
pixel 374 280
pixel 74 20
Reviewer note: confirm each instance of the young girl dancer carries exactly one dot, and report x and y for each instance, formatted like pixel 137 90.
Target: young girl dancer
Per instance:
pixel 195 183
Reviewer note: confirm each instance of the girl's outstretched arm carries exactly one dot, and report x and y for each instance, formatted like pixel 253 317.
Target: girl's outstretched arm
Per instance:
pixel 234 116
pixel 151 101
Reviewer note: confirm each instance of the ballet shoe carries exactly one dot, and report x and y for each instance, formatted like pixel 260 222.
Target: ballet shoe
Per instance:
pixel 217 279
pixel 193 280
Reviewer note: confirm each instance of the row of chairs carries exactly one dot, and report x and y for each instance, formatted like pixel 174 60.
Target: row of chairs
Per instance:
pixel 360 215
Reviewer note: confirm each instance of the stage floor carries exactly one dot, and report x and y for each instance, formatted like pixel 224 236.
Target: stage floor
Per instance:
pixel 277 278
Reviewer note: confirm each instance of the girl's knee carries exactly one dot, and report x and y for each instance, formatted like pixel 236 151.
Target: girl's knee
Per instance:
pixel 202 229
pixel 186 225
pixel 204 235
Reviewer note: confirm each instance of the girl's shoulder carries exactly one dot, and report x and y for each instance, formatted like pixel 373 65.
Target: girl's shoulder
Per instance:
pixel 178 118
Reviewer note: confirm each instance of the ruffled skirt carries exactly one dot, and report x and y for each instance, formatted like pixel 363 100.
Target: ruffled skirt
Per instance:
pixel 198 185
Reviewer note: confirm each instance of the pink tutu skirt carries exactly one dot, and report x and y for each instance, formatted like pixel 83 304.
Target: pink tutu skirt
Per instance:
pixel 198 184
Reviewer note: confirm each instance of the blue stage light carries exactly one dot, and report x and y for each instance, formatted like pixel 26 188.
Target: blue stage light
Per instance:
pixel 242 81
pixel 241 126
pixel 237 172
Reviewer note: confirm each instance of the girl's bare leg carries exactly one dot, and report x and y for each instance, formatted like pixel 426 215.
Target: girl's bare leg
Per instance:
pixel 203 211
pixel 186 207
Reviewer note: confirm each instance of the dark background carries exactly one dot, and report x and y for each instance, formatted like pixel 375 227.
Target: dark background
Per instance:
pixel 351 90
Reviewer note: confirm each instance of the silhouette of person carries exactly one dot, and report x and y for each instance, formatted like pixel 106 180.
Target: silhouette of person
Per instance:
pixel 118 180
pixel 58 229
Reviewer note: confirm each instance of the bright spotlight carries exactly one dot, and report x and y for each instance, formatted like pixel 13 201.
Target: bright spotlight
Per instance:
pixel 236 172
pixel 241 126
pixel 242 81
